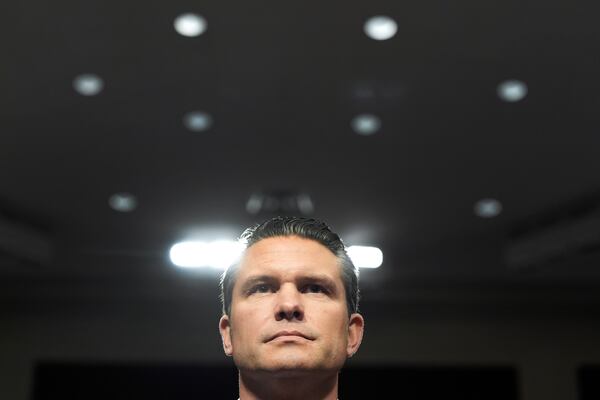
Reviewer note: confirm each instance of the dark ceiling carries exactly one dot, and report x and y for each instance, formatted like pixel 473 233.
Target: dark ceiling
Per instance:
pixel 282 81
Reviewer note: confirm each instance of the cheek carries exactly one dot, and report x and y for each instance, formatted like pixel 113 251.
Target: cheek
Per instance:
pixel 333 324
pixel 247 326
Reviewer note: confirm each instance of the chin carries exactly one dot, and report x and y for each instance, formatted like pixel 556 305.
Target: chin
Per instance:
pixel 291 371
pixel 291 363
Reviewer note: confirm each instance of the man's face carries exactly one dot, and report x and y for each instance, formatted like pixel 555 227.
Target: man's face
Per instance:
pixel 288 309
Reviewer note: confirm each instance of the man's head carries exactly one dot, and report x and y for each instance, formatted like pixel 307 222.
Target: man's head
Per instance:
pixel 307 228
pixel 290 303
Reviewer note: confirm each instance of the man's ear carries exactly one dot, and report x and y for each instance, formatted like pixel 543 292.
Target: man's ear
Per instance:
pixel 356 328
pixel 225 330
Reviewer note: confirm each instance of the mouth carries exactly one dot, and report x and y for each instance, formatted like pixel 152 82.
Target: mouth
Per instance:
pixel 289 334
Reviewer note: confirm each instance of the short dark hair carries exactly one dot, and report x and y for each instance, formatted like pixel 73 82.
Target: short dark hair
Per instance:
pixel 308 228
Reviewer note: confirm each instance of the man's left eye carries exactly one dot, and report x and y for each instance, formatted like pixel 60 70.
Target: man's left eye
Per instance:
pixel 313 288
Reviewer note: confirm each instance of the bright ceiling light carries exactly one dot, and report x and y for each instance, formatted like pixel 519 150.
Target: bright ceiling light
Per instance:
pixel 190 24
pixel 380 27
pixel 219 254
pixel 88 84
pixel 123 202
pixel 487 208
pixel 365 256
pixel 512 90
pixel 197 121
pixel 366 124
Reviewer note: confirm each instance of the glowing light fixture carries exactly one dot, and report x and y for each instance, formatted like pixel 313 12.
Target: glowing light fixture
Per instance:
pixel 219 254
pixel 190 24
pixel 305 204
pixel 487 208
pixel 123 202
pixel 223 253
pixel 197 121
pixel 88 84
pixel 512 90
pixel 366 124
pixel 380 27
pixel 365 256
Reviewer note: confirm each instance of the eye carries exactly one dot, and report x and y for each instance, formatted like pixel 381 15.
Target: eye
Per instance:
pixel 261 288
pixel 314 288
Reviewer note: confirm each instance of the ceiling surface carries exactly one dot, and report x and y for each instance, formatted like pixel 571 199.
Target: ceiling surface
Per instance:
pixel 282 82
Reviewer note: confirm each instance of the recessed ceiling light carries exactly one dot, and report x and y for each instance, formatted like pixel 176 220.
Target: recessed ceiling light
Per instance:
pixel 255 203
pixel 190 24
pixel 366 124
pixel 88 84
pixel 219 254
pixel 365 256
pixel 305 204
pixel 123 202
pixel 487 208
pixel 197 121
pixel 380 27
pixel 512 90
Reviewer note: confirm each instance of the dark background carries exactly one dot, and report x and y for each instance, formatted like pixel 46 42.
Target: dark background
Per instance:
pixel 282 82
pixel 99 382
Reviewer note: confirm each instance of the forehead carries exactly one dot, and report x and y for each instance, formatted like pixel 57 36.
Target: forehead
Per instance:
pixel 284 255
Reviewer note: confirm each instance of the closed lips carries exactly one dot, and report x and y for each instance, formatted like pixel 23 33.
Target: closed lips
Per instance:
pixel 290 333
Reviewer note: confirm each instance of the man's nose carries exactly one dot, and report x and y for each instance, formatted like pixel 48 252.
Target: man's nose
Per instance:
pixel 289 304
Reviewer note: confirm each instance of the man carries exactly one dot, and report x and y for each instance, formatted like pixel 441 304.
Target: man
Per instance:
pixel 290 311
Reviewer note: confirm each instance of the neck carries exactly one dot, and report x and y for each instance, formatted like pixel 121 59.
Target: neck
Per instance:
pixel 273 386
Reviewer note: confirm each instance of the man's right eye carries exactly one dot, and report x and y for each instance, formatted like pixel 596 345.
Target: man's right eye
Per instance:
pixel 262 288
